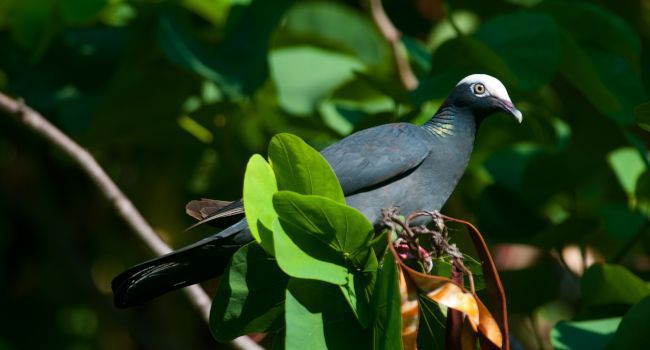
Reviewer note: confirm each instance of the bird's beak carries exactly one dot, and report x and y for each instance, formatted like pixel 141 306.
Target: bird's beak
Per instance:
pixel 510 108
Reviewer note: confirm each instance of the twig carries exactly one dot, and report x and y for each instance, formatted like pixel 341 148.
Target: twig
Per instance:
pixel 122 205
pixel 392 35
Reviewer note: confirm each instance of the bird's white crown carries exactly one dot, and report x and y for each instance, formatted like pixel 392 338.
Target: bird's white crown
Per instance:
pixel 493 86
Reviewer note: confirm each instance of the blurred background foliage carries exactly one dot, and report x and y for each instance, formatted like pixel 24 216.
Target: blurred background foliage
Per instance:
pixel 173 97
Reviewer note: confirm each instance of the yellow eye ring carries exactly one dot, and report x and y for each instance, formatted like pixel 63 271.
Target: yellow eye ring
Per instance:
pixel 479 89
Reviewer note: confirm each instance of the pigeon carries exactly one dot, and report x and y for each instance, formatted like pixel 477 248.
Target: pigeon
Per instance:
pixel 412 167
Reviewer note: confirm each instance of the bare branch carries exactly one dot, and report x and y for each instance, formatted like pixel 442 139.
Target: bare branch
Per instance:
pixel 392 35
pixel 122 205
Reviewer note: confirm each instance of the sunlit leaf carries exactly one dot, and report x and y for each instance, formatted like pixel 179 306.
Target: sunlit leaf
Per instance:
pixel 259 187
pixel 353 32
pixel 342 228
pixel 304 256
pixel 300 168
pixel 305 76
pixel 583 335
pixel 628 165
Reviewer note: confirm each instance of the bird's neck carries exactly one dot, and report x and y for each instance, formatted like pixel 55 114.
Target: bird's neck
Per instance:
pixel 452 123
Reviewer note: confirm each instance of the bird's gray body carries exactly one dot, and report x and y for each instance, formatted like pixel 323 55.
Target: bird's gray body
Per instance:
pixel 395 165
pixel 425 166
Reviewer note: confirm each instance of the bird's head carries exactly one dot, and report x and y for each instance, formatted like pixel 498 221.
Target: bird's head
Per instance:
pixel 483 95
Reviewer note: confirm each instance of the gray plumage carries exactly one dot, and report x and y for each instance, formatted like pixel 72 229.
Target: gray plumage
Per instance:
pixel 404 165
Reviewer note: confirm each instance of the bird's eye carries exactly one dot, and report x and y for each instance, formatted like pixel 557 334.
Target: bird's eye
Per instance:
pixel 479 89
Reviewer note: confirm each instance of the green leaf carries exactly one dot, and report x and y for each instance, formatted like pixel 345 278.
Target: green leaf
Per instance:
pixel 358 290
pixel 611 284
pixel 620 220
pixel 634 330
pixel 577 68
pixel 239 64
pixel 583 335
pixel 387 329
pixel 318 318
pixel 528 42
pixel 642 114
pixel 628 165
pixel 432 326
pixel 341 227
pixel 301 169
pixel 442 267
pixel 305 76
pixel 354 33
pixel 259 187
pixel 301 255
pixel 250 297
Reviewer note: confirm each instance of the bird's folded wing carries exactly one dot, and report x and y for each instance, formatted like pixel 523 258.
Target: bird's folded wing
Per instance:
pixel 218 213
pixel 375 155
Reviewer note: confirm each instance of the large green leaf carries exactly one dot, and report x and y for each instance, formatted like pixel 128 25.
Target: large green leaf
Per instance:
pixel 611 284
pixel 300 168
pixel 250 297
pixel 634 330
pixel 584 335
pixel 386 303
pixel 341 227
pixel 353 33
pixel 304 256
pixel 528 42
pixel 317 318
pixel 259 187
pixel 305 76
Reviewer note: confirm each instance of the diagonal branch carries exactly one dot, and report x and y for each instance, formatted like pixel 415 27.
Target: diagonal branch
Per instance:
pixel 393 36
pixel 122 205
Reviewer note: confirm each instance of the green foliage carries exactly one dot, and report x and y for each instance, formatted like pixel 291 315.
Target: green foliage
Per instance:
pixel 583 335
pixel 318 243
pixel 250 296
pixel 611 284
pixel 633 333
pixel 387 330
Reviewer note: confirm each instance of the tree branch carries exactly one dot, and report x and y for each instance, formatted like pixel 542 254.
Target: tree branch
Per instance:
pixel 122 205
pixel 393 36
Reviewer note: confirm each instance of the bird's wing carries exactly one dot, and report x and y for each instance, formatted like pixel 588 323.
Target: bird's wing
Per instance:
pixel 375 155
pixel 217 213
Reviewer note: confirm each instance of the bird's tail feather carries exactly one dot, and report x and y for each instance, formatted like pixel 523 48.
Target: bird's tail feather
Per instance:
pixel 189 265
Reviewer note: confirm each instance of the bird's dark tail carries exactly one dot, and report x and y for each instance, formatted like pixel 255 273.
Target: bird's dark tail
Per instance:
pixel 189 265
